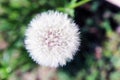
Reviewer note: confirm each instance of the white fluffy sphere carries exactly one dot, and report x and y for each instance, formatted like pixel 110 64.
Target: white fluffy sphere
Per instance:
pixel 52 39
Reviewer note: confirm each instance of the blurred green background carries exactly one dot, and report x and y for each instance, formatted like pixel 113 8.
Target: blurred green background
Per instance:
pixel 99 55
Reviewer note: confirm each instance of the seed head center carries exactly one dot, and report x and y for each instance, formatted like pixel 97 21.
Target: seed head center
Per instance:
pixel 53 38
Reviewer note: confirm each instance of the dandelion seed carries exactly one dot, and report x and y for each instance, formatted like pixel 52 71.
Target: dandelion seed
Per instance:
pixel 52 39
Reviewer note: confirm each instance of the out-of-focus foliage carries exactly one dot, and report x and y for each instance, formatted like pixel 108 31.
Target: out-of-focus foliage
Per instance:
pixel 99 56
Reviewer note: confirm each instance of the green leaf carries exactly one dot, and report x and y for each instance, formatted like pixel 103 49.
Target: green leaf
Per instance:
pixel 4 25
pixel 63 76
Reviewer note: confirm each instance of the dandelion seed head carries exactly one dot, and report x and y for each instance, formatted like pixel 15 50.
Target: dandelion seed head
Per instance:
pixel 52 39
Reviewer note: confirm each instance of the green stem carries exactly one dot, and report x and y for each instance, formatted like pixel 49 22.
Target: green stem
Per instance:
pixel 79 3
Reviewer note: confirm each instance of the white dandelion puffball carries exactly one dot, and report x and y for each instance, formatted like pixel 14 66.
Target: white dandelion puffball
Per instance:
pixel 52 39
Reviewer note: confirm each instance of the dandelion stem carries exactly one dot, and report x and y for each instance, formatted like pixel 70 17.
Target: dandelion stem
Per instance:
pixel 79 3
pixel 76 4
